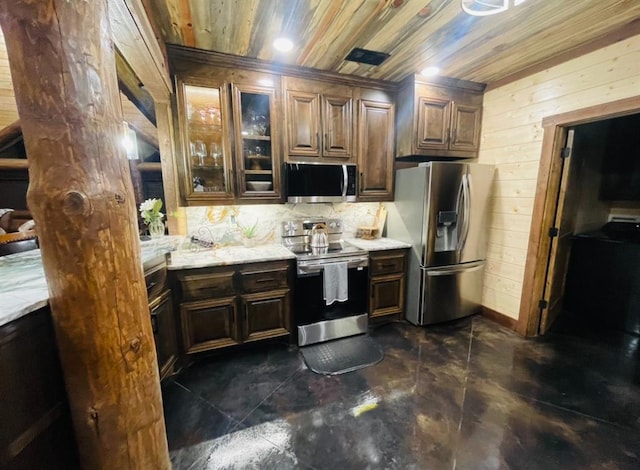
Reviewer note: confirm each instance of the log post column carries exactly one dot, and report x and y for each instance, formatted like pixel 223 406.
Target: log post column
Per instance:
pixel 63 68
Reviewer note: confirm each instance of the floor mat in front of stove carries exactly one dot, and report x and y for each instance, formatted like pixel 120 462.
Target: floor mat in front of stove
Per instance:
pixel 342 355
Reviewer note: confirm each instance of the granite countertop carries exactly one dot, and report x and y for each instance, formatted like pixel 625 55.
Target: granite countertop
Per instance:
pixel 23 287
pixel 377 244
pixel 227 256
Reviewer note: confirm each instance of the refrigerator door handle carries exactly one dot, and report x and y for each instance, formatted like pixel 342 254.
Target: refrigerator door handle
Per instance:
pixel 466 197
pixel 459 268
pixel 464 207
pixel 460 210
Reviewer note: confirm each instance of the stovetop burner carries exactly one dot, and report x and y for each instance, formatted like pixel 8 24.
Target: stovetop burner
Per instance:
pixel 296 237
pixel 334 250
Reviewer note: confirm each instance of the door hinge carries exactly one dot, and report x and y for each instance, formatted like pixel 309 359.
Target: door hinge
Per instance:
pixel 543 304
pixel 553 232
pixel 566 152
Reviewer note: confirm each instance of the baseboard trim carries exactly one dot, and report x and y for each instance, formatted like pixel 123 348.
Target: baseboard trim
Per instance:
pixel 499 318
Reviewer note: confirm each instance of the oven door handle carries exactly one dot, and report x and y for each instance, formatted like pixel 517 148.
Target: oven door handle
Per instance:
pixel 310 268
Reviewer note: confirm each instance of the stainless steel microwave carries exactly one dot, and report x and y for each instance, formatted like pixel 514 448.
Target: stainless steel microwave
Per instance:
pixel 317 182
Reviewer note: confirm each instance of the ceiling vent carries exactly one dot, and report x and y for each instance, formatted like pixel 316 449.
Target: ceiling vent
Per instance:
pixel 365 56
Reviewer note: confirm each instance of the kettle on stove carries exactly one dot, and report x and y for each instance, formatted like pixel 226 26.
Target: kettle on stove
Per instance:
pixel 319 237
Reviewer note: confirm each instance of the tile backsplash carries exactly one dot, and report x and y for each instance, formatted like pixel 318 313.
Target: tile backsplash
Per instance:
pixel 224 224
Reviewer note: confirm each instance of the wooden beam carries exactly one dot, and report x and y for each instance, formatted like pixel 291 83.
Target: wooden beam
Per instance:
pixel 134 89
pixel 62 62
pixel 10 135
pixel 135 39
pixel 176 215
pixel 149 167
pixel 14 164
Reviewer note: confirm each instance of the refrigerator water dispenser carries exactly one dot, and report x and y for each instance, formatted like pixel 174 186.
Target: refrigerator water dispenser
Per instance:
pixel 446 231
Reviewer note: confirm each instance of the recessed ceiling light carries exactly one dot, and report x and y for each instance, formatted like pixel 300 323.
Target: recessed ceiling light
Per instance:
pixel 283 44
pixel 430 71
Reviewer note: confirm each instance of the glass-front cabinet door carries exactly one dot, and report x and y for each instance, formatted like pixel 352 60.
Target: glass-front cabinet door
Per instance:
pixel 205 133
pixel 256 144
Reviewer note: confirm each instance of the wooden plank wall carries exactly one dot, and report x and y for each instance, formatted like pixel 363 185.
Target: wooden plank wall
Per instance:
pixel 512 140
pixel 8 108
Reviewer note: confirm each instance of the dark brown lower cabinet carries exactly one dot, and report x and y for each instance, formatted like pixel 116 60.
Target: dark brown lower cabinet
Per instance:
pixel 209 324
pixel 266 315
pixel 164 332
pixel 387 274
pixel 231 305
pixel 35 423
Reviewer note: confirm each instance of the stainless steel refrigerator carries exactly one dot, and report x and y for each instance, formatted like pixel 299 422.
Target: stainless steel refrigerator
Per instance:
pixel 441 209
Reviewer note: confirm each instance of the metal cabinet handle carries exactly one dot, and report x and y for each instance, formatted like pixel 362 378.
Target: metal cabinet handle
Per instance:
pixel 265 280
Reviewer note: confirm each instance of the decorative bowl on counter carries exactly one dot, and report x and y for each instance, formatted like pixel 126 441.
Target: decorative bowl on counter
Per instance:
pixel 259 185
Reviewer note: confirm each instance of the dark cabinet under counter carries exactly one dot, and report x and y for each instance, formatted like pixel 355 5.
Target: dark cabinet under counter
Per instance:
pixel 35 422
pixel 231 305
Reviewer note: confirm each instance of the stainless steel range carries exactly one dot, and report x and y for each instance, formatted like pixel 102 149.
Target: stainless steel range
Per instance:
pixel 321 253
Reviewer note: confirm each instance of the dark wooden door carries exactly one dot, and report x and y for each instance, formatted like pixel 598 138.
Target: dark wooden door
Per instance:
pixel 265 315
pixel 337 123
pixel 375 155
pixel 560 246
pixel 387 295
pixel 209 324
pixel 257 149
pixel 303 123
pixel 164 332
pixel 434 117
pixel 465 127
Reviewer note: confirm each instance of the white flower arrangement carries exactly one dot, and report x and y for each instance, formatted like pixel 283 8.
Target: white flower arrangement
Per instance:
pixel 150 210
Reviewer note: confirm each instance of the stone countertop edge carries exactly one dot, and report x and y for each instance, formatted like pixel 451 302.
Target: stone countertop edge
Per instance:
pixel 227 256
pixel 23 288
pixel 377 244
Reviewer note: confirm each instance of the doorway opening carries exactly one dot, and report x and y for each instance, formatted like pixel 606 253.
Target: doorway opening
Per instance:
pixel 570 199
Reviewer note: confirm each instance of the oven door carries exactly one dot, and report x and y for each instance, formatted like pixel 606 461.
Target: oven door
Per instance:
pixel 317 321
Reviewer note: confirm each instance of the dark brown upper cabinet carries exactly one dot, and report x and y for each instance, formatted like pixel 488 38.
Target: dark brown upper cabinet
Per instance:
pixel 440 119
pixel 319 120
pixel 256 143
pixel 229 135
pixel 375 145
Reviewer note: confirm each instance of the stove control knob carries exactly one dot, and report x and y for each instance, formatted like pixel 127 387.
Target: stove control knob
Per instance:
pixel 290 227
pixel 334 225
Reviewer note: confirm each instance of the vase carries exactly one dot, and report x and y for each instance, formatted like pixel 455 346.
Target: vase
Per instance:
pixel 156 228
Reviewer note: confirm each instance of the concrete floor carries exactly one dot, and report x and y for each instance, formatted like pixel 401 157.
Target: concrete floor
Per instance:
pixel 465 395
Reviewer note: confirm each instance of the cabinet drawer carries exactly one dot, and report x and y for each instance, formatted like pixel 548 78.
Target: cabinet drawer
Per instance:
pixel 155 281
pixel 206 285
pixel 264 280
pixel 387 263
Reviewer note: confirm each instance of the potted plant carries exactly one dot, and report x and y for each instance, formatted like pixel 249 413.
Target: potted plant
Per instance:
pixel 249 233
pixel 150 212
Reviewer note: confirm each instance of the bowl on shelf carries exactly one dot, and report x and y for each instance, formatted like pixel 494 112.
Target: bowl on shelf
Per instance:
pixel 259 185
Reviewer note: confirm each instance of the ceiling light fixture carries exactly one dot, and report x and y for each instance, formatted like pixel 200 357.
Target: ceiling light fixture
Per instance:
pixel 487 7
pixel 283 44
pixel 430 71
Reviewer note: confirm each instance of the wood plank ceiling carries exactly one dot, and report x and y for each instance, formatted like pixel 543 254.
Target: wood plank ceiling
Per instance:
pixel 416 33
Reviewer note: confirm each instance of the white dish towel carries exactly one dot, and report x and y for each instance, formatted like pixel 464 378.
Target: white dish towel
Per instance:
pixel 336 282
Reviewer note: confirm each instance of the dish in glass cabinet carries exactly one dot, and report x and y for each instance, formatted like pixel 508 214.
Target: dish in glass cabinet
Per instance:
pixel 259 185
